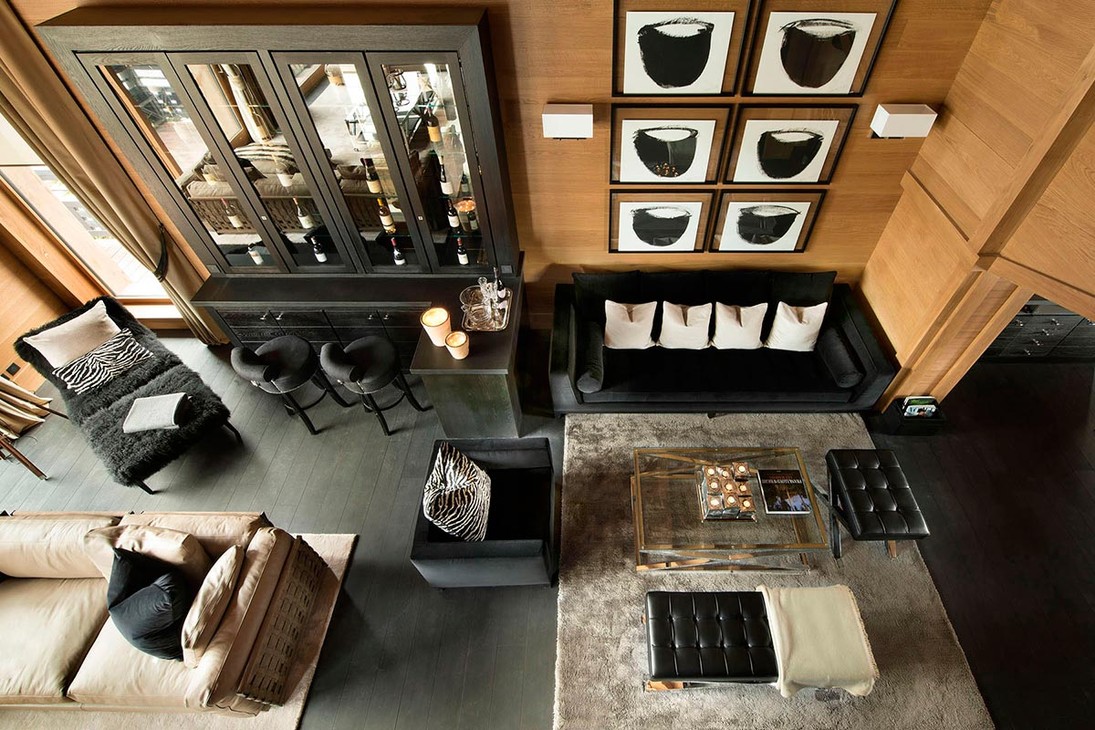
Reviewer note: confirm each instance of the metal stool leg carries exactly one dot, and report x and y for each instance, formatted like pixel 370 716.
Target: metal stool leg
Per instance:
pixel 296 410
pixel 834 534
pixel 370 404
pixel 321 380
pixel 402 382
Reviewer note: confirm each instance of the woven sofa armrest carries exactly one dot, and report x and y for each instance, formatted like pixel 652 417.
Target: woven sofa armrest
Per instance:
pixel 265 678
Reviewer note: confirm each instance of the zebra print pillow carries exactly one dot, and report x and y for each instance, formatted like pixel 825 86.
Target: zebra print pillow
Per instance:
pixel 106 362
pixel 457 495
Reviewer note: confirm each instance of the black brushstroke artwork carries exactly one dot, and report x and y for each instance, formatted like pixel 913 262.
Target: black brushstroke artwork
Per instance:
pixel 666 151
pixel 660 225
pixel 763 225
pixel 814 50
pixel 675 52
pixel 784 153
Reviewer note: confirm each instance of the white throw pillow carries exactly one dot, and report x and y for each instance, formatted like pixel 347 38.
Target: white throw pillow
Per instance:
pixel 685 327
pixel 738 328
pixel 796 328
pixel 80 335
pixel 629 326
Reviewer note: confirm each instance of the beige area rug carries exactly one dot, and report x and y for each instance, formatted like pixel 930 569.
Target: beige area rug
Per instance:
pixel 335 551
pixel 601 659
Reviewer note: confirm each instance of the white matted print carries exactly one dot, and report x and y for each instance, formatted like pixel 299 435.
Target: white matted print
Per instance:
pixel 665 150
pixel 812 53
pixel 676 52
pixel 659 227
pixel 763 227
pixel 784 151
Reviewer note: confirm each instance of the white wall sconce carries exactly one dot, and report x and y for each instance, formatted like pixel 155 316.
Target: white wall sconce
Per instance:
pixel 568 121
pixel 895 121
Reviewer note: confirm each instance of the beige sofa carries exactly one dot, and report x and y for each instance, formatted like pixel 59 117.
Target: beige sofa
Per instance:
pixel 59 648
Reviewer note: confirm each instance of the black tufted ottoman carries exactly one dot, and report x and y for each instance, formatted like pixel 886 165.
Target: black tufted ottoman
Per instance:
pixel 702 638
pixel 871 496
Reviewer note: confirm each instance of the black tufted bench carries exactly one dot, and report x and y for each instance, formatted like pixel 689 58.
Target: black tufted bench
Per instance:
pixel 701 638
pixel 871 496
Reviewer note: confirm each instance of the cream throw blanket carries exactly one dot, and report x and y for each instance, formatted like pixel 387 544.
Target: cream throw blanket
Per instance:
pixel 819 639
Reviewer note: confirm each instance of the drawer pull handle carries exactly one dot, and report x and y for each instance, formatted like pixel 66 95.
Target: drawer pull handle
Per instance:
pixel 387 316
pixel 263 317
pixel 1019 323
pixel 278 316
pixel 1053 321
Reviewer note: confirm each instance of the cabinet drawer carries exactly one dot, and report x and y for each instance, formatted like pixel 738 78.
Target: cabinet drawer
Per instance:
pixel 312 334
pixel 352 317
pixel 401 317
pixel 1083 332
pixel 245 317
pixel 299 318
pixel 257 334
pixel 1052 322
pixel 346 335
pixel 1075 352
pixel 1030 349
pixel 403 334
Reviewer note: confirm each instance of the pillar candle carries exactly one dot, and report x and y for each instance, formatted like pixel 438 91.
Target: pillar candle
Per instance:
pixel 436 323
pixel 457 343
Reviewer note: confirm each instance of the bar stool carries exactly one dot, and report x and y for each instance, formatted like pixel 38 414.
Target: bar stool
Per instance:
pixel 283 366
pixel 367 366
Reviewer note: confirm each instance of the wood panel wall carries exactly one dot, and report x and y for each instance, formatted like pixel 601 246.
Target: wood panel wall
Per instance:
pixel 26 303
pixel 561 51
pixel 998 202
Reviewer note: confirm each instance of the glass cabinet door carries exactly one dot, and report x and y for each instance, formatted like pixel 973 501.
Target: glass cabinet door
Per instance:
pixel 334 104
pixel 426 105
pixel 282 188
pixel 152 100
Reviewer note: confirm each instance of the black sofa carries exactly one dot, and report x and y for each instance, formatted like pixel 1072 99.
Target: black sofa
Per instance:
pixel 520 546
pixel 847 371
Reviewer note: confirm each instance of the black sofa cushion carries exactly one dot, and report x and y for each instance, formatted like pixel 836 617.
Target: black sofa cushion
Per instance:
pixel 659 375
pixel 741 287
pixel 591 291
pixel 148 600
pixel 834 352
pixel 591 358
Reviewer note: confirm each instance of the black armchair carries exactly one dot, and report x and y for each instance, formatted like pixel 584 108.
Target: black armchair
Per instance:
pixel 520 548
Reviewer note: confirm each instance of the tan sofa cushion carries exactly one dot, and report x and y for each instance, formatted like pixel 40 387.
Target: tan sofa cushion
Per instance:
pixel 170 546
pixel 216 531
pixel 219 671
pixel 115 673
pixel 46 627
pixel 48 548
pixel 209 605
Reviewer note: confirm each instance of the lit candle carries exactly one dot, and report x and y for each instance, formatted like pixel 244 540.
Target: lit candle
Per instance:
pixel 436 323
pixel 745 503
pixel 731 500
pixel 714 502
pixel 457 344
pixel 743 489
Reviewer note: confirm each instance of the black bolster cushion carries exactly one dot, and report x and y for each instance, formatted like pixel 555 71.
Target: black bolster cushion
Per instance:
pixel 334 362
pixel 251 366
pixel 592 341
pixel 838 358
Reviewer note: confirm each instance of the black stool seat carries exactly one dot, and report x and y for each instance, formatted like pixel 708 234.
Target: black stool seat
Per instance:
pixel 875 499
pixel 709 637
pixel 366 365
pixel 288 362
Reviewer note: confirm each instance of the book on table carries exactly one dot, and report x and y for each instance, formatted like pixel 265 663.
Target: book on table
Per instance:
pixel 784 492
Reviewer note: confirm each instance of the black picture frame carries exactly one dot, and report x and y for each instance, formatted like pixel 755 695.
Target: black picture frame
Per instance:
pixel 721 114
pixel 843 114
pixel 660 198
pixel 766 198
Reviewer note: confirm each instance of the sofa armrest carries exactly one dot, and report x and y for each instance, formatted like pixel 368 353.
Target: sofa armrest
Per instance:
pixel 564 338
pixel 878 370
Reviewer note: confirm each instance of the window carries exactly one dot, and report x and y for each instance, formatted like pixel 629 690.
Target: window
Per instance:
pixel 100 253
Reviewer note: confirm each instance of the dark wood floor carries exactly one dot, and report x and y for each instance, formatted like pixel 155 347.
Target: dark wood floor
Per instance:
pixel 399 654
pixel 1008 490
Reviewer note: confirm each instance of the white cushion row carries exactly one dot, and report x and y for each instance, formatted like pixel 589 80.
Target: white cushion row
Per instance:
pixel 630 326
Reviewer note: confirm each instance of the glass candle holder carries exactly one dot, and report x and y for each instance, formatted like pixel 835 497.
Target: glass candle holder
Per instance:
pixel 457 344
pixel 437 325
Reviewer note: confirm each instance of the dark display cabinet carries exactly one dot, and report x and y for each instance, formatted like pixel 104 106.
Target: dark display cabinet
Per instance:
pixel 328 149
pixel 1044 331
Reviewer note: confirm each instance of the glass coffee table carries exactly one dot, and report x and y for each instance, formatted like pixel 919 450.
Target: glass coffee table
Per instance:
pixel 668 494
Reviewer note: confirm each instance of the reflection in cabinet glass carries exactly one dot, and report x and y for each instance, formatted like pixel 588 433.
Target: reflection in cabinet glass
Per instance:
pixel 251 129
pixel 424 102
pixel 153 104
pixel 339 112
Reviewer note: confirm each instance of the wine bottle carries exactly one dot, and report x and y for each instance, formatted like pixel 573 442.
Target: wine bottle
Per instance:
pixel 473 220
pixel 254 253
pixel 454 219
pixel 500 290
pixel 234 217
pixel 305 218
pixel 446 183
pixel 461 252
pixel 385 213
pixel 397 255
pixel 433 125
pixel 372 179
pixel 317 249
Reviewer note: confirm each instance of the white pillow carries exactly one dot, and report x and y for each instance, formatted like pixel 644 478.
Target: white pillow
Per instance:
pixel 685 327
pixel 796 328
pixel 80 335
pixel 628 326
pixel 738 328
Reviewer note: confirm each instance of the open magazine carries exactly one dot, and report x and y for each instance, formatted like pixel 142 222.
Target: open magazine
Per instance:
pixel 784 492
